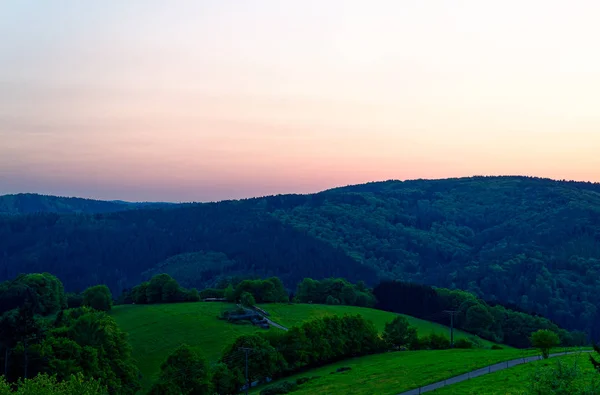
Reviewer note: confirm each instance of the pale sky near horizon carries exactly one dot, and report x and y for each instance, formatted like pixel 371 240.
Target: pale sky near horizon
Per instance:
pixel 208 100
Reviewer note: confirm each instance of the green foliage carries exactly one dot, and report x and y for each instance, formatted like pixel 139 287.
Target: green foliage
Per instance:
pixel 290 315
pixel 65 357
pixel 184 372
pixel 156 288
pixel 21 331
pixel 434 341
pixel 230 293
pixel 194 269
pixel 270 290
pixel 561 378
pixel 334 291
pixel 497 347
pixel 224 380
pixel 264 360
pixel 463 343
pixel 478 319
pixel 162 288
pixel 398 333
pixel 49 385
pixel 103 351
pixel 315 343
pixel 74 343
pixel 247 300
pixel 138 293
pixel 495 323
pixel 98 297
pixel 43 291
pixel 544 340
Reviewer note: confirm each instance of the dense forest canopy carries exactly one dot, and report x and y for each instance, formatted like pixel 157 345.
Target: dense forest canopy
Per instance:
pixel 533 243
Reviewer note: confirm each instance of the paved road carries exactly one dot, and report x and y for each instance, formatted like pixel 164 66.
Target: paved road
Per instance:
pixel 273 323
pixel 480 372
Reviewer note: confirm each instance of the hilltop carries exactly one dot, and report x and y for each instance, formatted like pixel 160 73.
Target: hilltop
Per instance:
pixel 533 243
pixel 29 203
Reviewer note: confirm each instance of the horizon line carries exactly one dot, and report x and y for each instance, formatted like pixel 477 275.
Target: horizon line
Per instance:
pixel 295 193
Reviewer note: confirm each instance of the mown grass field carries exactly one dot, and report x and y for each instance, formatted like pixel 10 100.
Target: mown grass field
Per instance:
pixel 395 372
pixel 295 314
pixel 157 330
pixel 515 380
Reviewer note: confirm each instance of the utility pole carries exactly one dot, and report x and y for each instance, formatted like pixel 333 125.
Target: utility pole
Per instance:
pixel 451 312
pixel 246 350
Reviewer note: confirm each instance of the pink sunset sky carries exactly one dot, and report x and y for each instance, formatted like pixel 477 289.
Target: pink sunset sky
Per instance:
pixel 208 100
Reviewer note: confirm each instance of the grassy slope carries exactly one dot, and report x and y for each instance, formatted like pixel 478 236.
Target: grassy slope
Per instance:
pixel 156 330
pixel 514 380
pixel 292 315
pixel 391 373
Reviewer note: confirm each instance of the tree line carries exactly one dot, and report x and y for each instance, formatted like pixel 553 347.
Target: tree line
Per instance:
pixel 491 322
pixel 334 291
pixel 42 334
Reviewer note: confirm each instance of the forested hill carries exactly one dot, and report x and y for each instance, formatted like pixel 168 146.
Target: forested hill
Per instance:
pixel 531 242
pixel 28 203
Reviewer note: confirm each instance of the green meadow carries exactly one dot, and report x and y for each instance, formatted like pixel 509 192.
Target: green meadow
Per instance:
pixel 395 372
pixel 157 330
pixel 514 380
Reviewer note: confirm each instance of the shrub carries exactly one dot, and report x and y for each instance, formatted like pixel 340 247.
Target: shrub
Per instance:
pixel 562 378
pixel 463 343
pixel 496 347
pixel 435 342
pixel 43 384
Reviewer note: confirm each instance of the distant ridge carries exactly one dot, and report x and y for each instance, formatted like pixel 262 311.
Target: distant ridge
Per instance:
pixel 31 203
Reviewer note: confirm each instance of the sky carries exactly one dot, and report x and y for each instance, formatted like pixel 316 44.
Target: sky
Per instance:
pixel 197 100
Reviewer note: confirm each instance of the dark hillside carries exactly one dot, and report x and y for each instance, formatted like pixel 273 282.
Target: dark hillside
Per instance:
pixel 531 242
pixel 116 248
